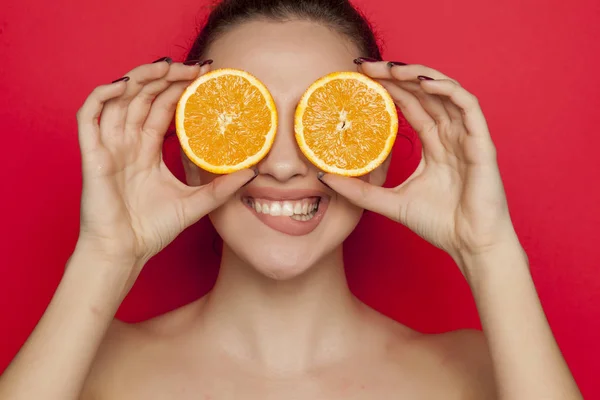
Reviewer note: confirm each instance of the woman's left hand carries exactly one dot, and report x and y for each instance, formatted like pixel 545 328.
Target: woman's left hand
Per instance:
pixel 455 198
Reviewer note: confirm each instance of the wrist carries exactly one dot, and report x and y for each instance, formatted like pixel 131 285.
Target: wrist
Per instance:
pixel 503 253
pixel 114 252
pixel 115 273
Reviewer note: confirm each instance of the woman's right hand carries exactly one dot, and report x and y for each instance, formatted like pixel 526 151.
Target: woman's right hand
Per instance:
pixel 132 206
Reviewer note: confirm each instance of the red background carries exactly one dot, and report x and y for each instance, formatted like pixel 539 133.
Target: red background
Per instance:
pixel 534 66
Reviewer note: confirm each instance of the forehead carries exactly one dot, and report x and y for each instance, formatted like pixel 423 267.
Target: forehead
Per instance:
pixel 286 56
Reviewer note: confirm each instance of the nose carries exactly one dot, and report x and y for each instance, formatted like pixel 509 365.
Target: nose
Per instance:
pixel 285 160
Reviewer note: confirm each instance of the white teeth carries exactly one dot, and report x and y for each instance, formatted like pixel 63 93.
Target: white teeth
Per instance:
pixel 301 217
pixel 287 209
pixel 300 210
pixel 275 209
pixel 304 208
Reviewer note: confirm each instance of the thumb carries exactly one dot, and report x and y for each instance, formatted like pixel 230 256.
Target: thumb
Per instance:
pixel 207 198
pixel 363 194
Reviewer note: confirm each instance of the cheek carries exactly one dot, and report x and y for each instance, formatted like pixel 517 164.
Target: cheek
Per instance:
pixel 345 216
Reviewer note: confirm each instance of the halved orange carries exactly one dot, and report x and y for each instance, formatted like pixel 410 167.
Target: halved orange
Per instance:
pixel 346 123
pixel 226 121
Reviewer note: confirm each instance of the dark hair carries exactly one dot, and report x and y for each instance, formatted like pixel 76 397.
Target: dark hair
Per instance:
pixel 339 15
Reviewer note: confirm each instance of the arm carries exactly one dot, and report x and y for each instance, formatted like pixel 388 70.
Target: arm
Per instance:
pixel 527 361
pixel 131 208
pixel 57 357
pixel 455 200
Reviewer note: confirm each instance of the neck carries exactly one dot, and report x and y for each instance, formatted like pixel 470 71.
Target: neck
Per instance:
pixel 290 325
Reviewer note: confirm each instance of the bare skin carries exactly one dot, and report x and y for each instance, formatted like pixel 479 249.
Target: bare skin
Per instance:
pixel 281 321
pixel 386 361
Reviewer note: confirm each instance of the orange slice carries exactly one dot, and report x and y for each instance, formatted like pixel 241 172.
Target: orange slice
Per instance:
pixel 346 124
pixel 226 121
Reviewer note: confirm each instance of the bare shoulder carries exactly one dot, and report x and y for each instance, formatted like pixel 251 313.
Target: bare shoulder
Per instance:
pixel 462 359
pixel 453 365
pixel 128 351
pixel 112 359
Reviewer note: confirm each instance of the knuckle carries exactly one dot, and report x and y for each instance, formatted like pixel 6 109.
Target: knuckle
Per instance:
pixel 146 99
pixel 446 125
pixel 473 99
pixel 430 129
pixel 399 213
pixel 84 110
pixel 364 190
pixel 92 100
pixel 95 94
pixel 79 114
pixel 472 102
pixel 212 191
pixel 469 100
pixel 163 110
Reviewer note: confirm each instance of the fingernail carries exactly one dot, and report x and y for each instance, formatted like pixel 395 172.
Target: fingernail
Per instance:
pixel 198 62
pixel 122 79
pixel 253 178
pixel 168 60
pixel 361 60
pixel 425 78
pixel 320 176
pixel 394 63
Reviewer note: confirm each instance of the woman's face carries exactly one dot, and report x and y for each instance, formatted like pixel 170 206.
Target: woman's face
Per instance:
pixel 287 57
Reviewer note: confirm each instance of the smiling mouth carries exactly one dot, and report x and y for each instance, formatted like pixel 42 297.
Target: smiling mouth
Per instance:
pixel 299 210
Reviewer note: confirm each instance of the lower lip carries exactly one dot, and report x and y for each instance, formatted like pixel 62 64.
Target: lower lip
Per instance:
pixel 290 226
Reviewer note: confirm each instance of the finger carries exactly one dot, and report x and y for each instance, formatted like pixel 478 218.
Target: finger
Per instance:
pixel 400 71
pixel 410 106
pixel 417 117
pixel 453 111
pixel 203 200
pixel 162 110
pixel 374 69
pixel 413 71
pixel 422 111
pixel 433 104
pixel 467 103
pixel 365 195
pixel 89 113
pixel 113 117
pixel 140 105
pixel 407 76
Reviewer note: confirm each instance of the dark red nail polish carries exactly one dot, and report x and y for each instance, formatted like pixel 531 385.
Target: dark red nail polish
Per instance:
pixel 206 62
pixel 253 178
pixel 320 176
pixel 394 63
pixel 123 79
pixel 425 78
pixel 168 60
pixel 361 60
pixel 192 62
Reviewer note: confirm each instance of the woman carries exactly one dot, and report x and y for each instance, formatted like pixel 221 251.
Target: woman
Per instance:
pixel 280 322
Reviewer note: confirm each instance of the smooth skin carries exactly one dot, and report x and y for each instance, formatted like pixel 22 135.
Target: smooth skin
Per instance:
pixel 307 337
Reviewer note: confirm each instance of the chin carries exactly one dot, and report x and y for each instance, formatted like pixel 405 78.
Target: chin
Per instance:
pixel 279 261
pixel 277 248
